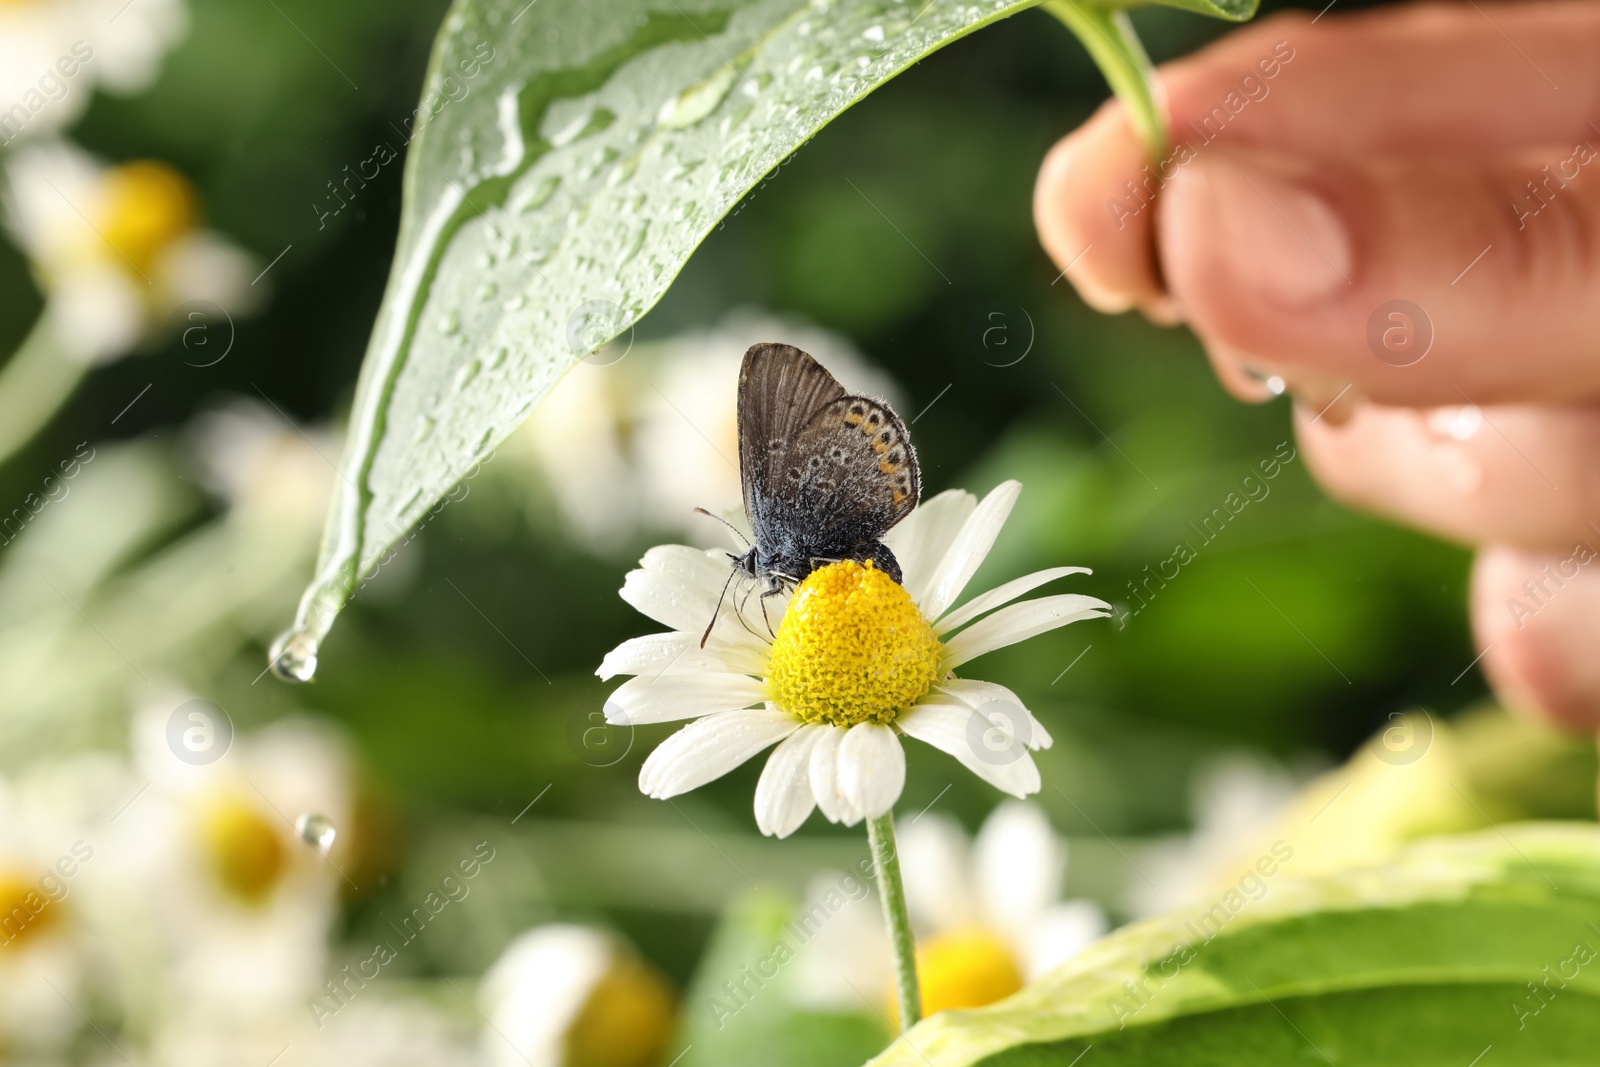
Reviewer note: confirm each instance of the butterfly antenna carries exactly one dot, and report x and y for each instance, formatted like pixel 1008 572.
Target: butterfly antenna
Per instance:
pixel 707 635
pixel 725 522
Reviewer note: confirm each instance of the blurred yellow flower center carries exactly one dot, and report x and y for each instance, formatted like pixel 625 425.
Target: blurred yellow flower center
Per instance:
pixel 625 1022
pixel 25 912
pixel 964 969
pixel 851 648
pixel 148 205
pixel 242 848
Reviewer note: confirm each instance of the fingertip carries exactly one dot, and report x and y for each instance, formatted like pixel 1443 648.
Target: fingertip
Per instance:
pixel 1536 631
pixel 1101 243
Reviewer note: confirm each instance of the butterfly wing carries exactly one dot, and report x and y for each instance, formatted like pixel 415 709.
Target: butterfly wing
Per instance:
pixel 859 474
pixel 780 390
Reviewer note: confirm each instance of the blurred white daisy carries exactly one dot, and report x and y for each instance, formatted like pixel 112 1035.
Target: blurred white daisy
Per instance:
pixel 1233 799
pixel 264 466
pixel 50 968
pixel 642 434
pixel 55 53
pixel 378 1029
pixel 988 917
pixel 117 249
pixel 858 660
pixel 572 996
pixel 243 902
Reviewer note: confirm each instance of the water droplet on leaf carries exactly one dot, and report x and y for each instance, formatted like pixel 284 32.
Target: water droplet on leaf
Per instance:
pixel 294 656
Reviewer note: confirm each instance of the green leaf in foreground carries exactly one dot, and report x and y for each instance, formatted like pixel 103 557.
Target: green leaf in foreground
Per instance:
pixel 1457 945
pixel 569 156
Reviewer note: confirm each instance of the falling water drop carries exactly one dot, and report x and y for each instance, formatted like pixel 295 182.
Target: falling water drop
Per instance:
pixel 1276 385
pixel 449 323
pixel 317 830
pixel 294 656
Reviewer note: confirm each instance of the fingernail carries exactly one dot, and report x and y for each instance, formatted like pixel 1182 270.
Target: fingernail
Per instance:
pixel 1286 243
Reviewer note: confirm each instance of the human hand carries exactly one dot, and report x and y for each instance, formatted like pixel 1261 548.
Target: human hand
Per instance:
pixel 1445 155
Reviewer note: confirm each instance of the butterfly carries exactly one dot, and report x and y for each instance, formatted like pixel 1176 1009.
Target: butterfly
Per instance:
pixel 825 474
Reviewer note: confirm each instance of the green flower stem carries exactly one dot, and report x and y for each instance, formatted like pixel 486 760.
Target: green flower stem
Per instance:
pixel 892 891
pixel 34 384
pixel 1115 48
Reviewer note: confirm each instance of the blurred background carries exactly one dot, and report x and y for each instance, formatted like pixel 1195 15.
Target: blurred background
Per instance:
pixel 165 458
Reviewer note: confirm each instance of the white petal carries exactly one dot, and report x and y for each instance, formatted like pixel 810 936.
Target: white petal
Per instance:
pixel 1061 933
pixel 1002 594
pixel 824 774
pixel 960 731
pixel 97 314
pixel 783 796
pixel 681 587
pixel 1020 864
pixel 933 857
pixel 872 768
pixel 708 748
pixel 969 548
pixel 535 991
pixel 922 538
pixel 1000 706
pixel 1018 622
pixel 677 652
pixel 676 596
pixel 665 697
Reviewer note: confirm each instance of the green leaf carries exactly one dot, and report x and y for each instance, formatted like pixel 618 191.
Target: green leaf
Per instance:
pixel 567 158
pixel 741 1008
pixel 576 154
pixel 1426 960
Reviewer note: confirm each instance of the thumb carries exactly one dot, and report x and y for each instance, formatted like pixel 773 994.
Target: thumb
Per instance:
pixel 1414 280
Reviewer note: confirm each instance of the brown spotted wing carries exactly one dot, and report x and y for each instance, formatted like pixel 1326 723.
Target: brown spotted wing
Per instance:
pixel 825 474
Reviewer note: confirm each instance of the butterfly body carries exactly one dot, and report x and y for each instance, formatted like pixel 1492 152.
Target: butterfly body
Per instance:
pixel 825 474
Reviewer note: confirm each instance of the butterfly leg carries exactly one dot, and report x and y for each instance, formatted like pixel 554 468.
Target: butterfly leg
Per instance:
pixel 774 587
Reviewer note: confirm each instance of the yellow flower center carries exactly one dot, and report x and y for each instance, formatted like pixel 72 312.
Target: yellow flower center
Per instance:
pixel 963 969
pixel 626 1020
pixel 25 912
pixel 851 648
pixel 148 205
pixel 243 849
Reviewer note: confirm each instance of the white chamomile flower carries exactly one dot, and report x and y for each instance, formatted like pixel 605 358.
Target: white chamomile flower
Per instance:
pixel 857 662
pixel 377 1029
pixel 118 249
pixel 264 466
pixel 54 53
pixel 48 927
pixel 573 996
pixel 1233 798
pixel 988 916
pixel 243 904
